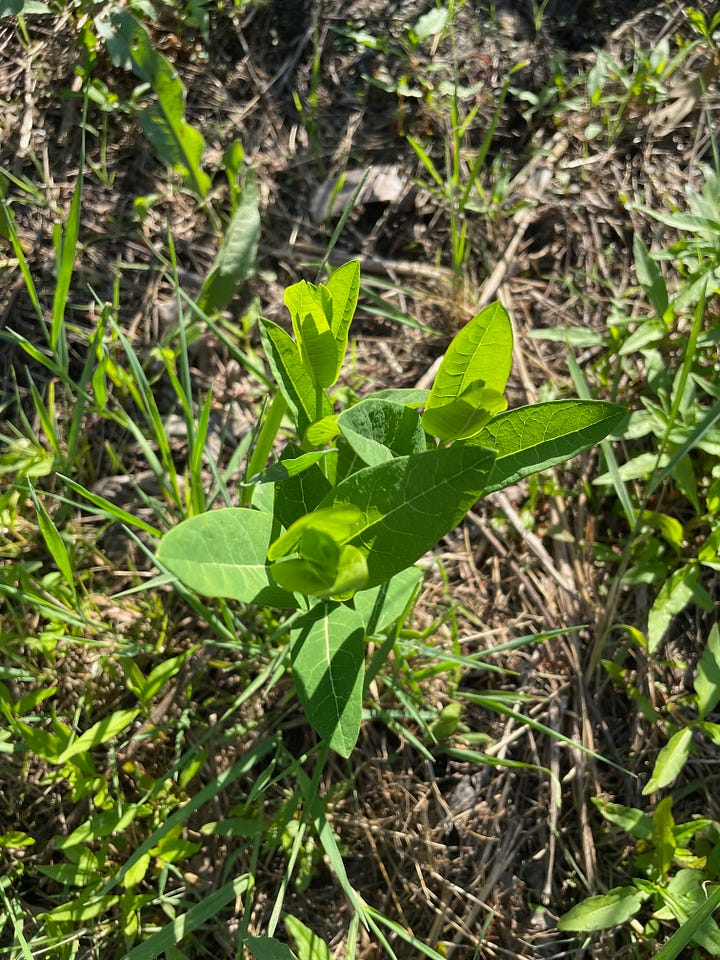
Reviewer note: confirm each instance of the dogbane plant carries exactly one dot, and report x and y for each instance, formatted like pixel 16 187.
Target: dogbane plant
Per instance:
pixel 332 529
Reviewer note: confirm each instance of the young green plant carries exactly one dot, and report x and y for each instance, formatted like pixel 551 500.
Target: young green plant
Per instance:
pixel 335 526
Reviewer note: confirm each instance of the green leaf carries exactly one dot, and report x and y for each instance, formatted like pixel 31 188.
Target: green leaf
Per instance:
pixel 684 896
pixel 83 908
pixel 323 568
pixel 287 468
pixel 681 587
pixel 53 541
pixel 670 761
pixel 340 522
pixel 649 332
pixel 430 24
pixel 536 437
pixel 650 277
pixel 669 527
pixel 322 431
pixel 266 948
pixel 235 261
pixel 11 8
pixel 464 416
pixel 572 336
pixel 406 396
pixel 378 430
pixel 99 733
pixel 310 308
pixel 309 945
pixel 409 503
pixel 610 909
pixel 299 494
pixel 327 651
pixel 344 287
pixel 663 837
pixel 176 142
pixel 318 351
pixel 682 937
pixel 382 605
pixel 480 352
pixel 707 678
pixel 307 403
pixel 630 819
pixel 223 554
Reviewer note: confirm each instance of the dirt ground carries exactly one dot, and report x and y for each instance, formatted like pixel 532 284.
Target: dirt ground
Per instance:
pixel 436 847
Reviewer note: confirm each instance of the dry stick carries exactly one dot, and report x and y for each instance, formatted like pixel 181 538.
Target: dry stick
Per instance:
pixel 555 714
pixel 375 265
pixel 539 173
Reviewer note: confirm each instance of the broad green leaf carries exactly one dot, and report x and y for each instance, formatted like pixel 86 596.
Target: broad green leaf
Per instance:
pixel 223 554
pixel 300 494
pixel 176 142
pixel 99 733
pixel 707 678
pixel 464 416
pixel 382 605
pixel 481 351
pixel 10 8
pixel 682 937
pixel 377 430
pixel 409 503
pixel 327 651
pixel 236 258
pixel 630 819
pixel 684 896
pixel 306 401
pixel 610 909
pixel 532 438
pixel 670 761
pixel 650 277
pixel 344 287
pixel 341 521
pixel 407 396
pixel 267 948
pixel 679 589
pixel 308 944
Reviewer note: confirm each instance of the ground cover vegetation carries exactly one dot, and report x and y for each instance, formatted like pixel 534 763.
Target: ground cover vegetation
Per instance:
pixel 360 501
